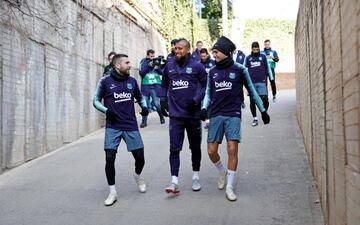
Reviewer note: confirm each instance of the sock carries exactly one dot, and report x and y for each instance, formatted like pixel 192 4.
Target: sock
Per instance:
pixel 195 175
pixel 230 179
pixel 255 118
pixel 174 179
pixel 112 189
pixel 220 167
pixel 136 176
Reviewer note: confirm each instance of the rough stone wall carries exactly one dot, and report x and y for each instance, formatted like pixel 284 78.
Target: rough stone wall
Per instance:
pixel 327 48
pixel 52 53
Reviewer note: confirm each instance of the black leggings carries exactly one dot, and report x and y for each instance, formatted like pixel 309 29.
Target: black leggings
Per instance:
pixel 265 101
pixel 272 83
pixel 110 156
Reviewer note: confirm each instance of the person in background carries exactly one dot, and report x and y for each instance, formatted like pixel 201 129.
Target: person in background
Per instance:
pixel 272 58
pixel 108 68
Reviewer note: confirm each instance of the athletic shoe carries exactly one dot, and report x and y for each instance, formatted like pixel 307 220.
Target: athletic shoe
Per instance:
pixel 230 195
pixel 173 188
pixel 143 124
pixel 221 181
pixel 162 120
pixel 196 186
pixel 254 123
pixel 111 199
pixel 141 184
pixel 274 98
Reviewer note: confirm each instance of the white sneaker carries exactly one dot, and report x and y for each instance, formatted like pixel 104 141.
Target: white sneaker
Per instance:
pixel 230 195
pixel 221 181
pixel 173 188
pixel 111 199
pixel 141 184
pixel 254 123
pixel 196 186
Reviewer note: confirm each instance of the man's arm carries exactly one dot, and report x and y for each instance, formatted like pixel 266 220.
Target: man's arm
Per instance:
pixel 268 68
pixel 203 82
pixel 251 90
pixel 208 92
pixel 138 96
pixel 275 56
pixel 99 94
pixel 144 67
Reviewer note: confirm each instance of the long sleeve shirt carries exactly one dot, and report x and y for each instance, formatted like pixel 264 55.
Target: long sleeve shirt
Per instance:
pixel 182 84
pixel 224 92
pixel 119 97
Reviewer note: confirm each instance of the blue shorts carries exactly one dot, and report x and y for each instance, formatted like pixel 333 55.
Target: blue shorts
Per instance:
pixel 261 88
pixel 113 137
pixel 220 125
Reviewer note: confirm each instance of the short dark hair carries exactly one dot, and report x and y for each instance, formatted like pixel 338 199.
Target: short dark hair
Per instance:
pixel 173 41
pixel 117 58
pixel 204 50
pixel 111 53
pixel 150 51
pixel 198 42
pixel 187 43
pixel 267 40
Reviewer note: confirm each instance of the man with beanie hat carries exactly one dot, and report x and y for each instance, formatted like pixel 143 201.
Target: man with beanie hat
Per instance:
pixel 259 70
pixel 119 91
pixel 183 83
pixel 224 95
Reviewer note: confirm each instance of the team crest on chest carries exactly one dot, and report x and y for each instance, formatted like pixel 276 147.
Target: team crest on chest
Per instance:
pixel 260 58
pixel 130 86
pixel 189 70
pixel 232 76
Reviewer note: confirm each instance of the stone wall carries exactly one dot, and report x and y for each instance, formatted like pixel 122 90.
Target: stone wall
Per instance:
pixel 52 53
pixel 327 46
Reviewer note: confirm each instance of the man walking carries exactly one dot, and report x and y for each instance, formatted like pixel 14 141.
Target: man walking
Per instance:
pixel 183 83
pixel 224 95
pixel 272 58
pixel 118 91
pixel 259 70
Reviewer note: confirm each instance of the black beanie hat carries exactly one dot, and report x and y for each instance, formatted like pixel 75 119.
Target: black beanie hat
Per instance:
pixel 224 45
pixel 255 44
pixel 173 41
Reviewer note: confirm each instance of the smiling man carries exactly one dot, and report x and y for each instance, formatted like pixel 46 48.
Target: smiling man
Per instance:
pixel 183 83
pixel 119 91
pixel 224 95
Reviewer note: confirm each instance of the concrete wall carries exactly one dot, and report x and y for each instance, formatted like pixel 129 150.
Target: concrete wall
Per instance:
pixel 52 55
pixel 327 46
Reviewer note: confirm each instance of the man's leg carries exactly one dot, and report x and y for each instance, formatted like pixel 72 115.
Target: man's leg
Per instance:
pixel 144 118
pixel 156 101
pixel 176 131
pixel 253 113
pixel 135 145
pixel 193 130
pixel 232 151
pixel 273 85
pixel 112 141
pixel 215 136
pixel 138 155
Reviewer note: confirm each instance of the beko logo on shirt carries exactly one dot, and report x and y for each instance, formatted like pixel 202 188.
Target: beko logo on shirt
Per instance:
pixel 223 85
pixel 255 64
pixel 123 96
pixel 180 84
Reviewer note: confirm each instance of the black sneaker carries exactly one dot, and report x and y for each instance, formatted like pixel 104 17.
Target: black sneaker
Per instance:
pixel 162 120
pixel 143 124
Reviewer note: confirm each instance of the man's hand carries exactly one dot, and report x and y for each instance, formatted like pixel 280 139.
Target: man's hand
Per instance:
pixel 265 117
pixel 203 114
pixel 164 107
pixel 191 106
pixel 110 115
pixel 144 111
